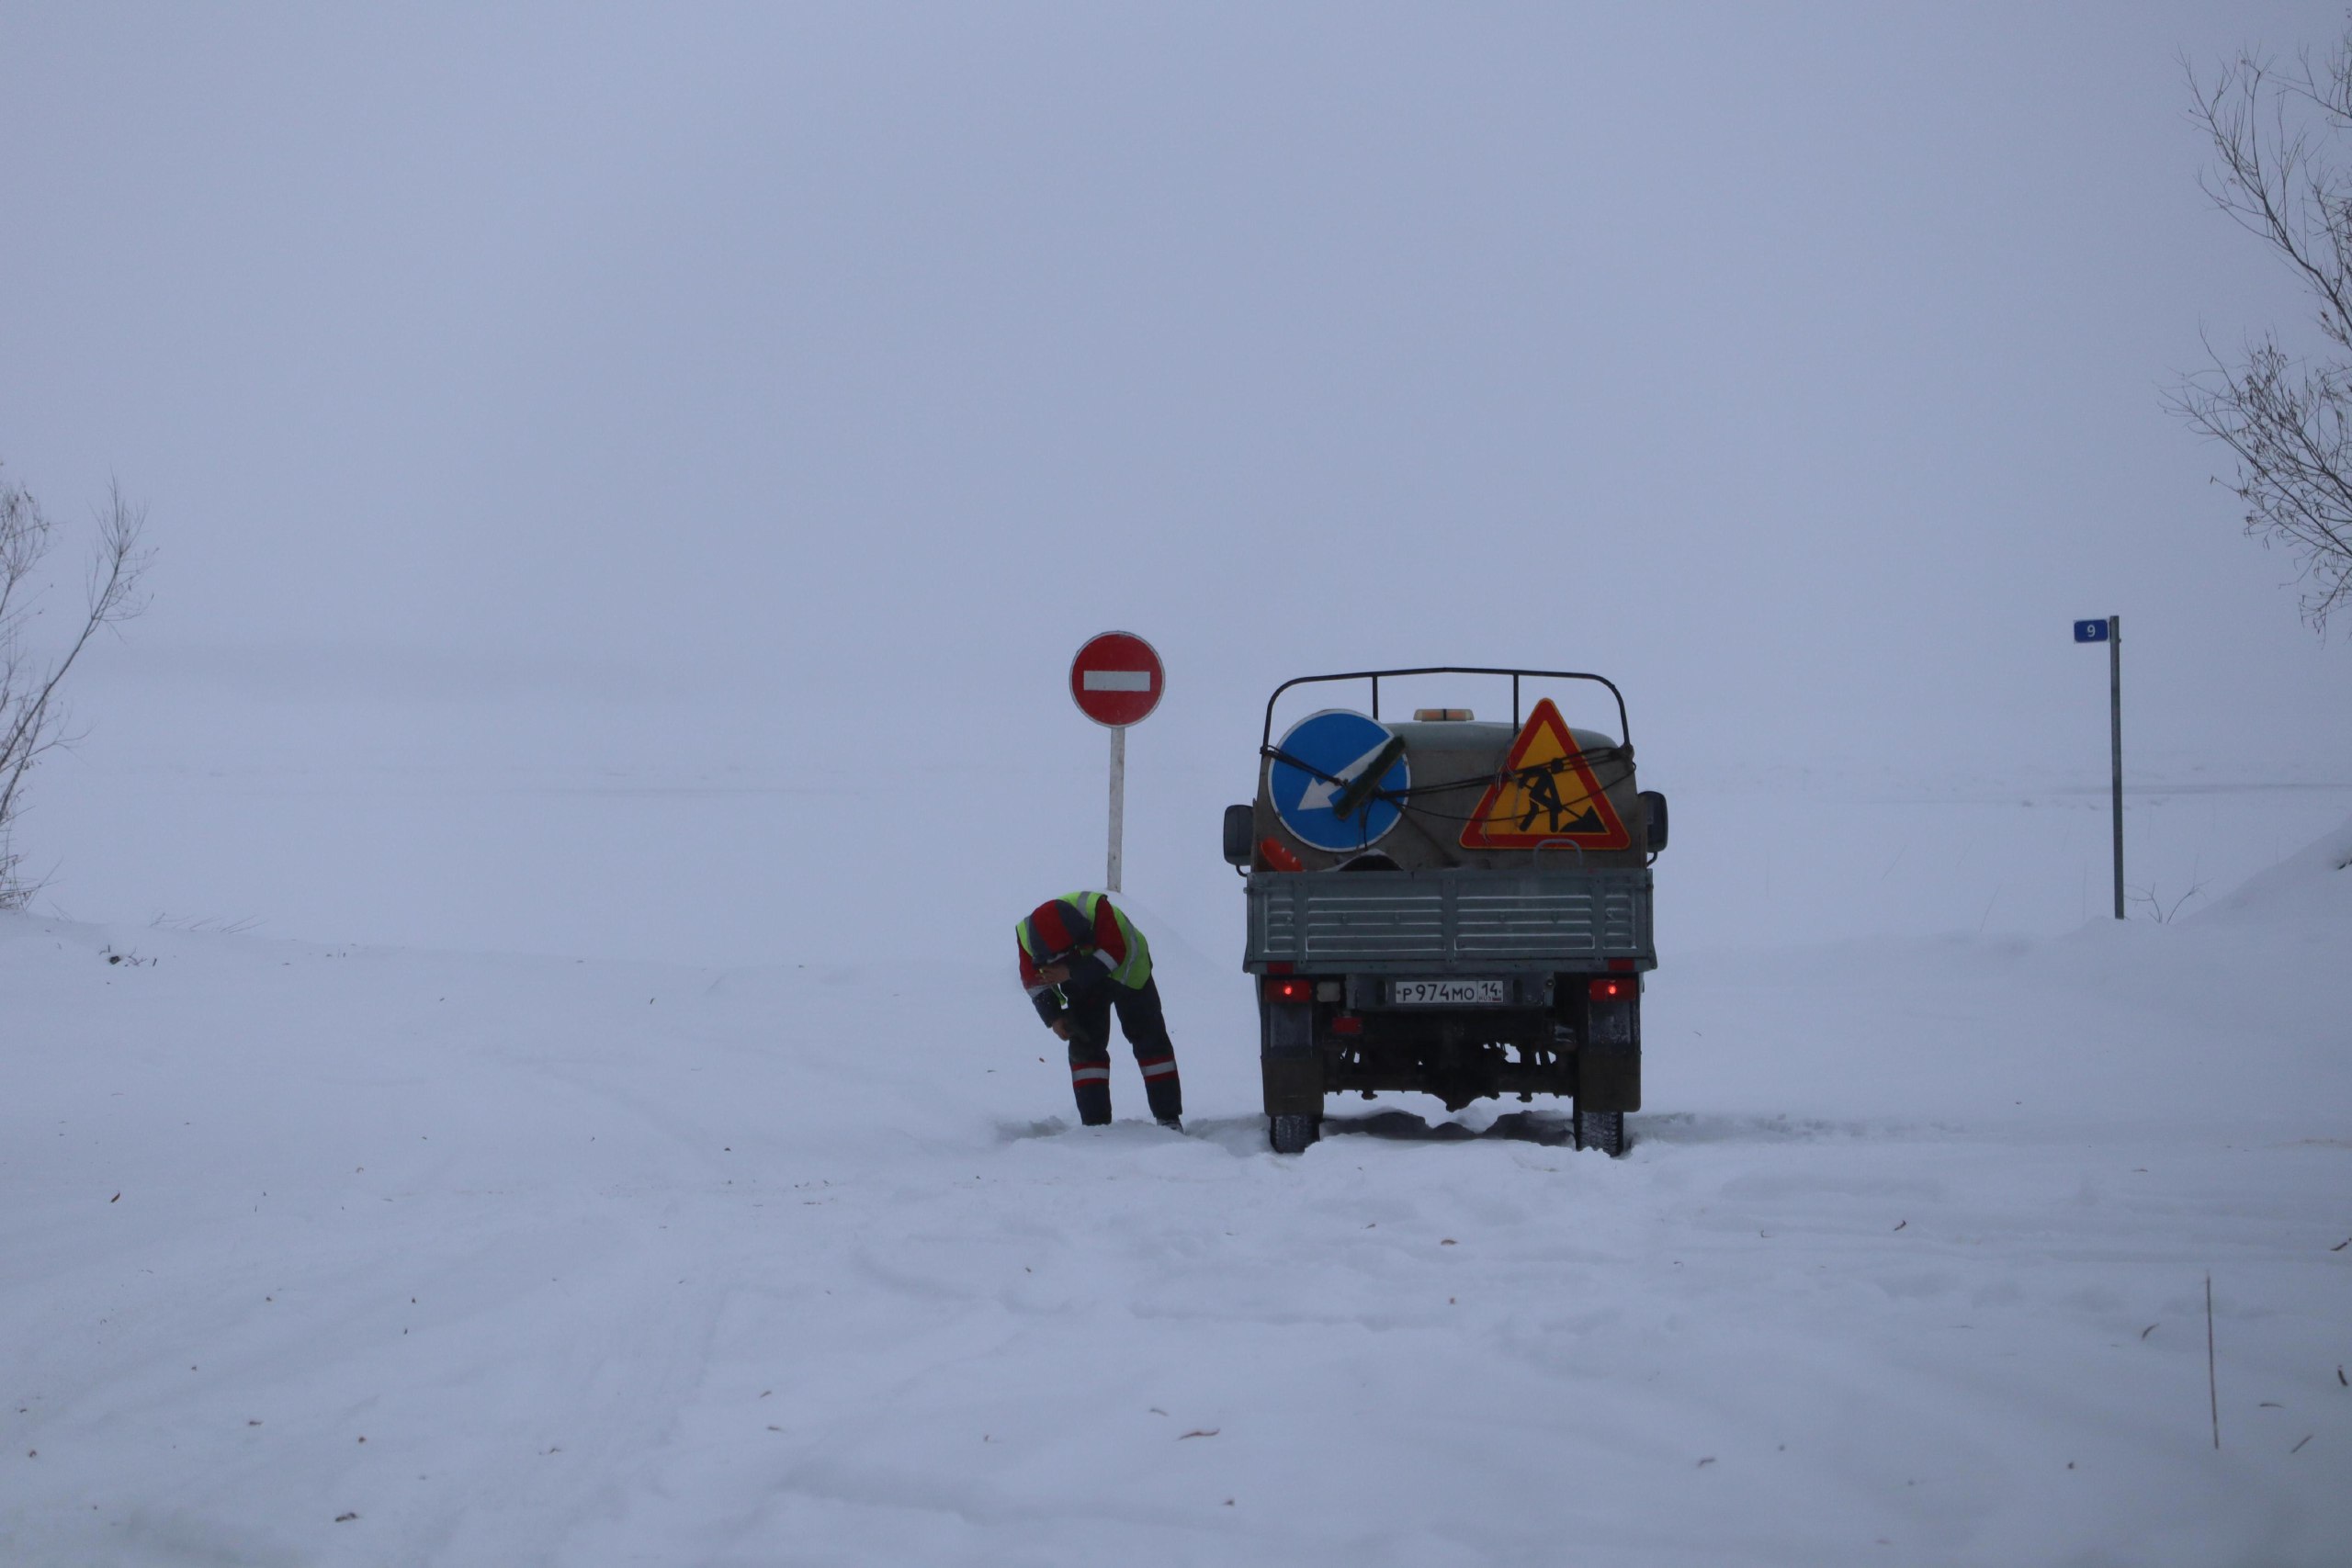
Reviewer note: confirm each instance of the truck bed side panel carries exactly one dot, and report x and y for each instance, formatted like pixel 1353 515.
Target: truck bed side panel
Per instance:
pixel 1458 920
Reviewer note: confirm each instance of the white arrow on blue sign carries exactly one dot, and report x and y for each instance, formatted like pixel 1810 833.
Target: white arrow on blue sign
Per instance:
pixel 1335 746
pixel 2091 631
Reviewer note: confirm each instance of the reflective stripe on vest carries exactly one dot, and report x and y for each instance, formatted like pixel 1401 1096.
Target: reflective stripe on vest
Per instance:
pixel 1133 973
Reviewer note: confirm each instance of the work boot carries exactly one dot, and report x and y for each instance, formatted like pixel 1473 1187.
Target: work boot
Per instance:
pixel 1173 1123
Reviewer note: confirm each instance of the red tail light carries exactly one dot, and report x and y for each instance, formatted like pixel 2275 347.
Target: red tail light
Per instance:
pixel 1290 990
pixel 1621 966
pixel 1610 990
pixel 1347 1024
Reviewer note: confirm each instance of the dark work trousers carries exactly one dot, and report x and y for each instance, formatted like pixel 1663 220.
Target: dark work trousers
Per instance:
pixel 1145 1028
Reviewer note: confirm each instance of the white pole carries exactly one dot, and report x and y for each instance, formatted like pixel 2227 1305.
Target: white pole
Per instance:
pixel 1118 803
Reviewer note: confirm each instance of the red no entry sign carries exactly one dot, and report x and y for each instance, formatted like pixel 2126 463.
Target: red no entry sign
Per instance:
pixel 1116 679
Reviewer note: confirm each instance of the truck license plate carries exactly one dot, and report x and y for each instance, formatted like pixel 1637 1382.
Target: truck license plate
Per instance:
pixel 1449 993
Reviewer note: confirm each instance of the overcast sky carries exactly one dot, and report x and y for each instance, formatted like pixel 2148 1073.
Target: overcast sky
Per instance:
pixel 1799 365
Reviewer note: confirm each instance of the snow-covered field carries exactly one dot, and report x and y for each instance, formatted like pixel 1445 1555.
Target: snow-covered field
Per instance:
pixel 345 1255
pixel 515 1058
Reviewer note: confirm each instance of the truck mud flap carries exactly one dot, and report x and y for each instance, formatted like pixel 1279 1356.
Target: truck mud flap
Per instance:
pixel 1609 1063
pixel 1609 1078
pixel 1292 1066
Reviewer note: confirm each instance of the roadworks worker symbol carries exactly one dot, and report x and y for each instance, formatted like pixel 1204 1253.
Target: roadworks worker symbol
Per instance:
pixel 1546 794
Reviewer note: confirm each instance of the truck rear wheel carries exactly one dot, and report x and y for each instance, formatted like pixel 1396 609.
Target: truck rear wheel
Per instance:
pixel 1291 1135
pixel 1602 1129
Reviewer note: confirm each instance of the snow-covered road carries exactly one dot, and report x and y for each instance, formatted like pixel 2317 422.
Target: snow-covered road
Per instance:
pixel 363 1257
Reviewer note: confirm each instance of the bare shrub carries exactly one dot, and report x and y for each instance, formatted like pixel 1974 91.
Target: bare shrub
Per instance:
pixel 33 716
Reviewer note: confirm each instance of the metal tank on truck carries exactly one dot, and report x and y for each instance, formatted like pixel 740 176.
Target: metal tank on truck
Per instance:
pixel 1450 905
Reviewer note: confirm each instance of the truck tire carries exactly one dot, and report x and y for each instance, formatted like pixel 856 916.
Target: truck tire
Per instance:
pixel 1602 1129
pixel 1291 1135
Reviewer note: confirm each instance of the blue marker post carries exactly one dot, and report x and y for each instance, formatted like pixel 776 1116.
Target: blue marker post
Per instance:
pixel 2110 632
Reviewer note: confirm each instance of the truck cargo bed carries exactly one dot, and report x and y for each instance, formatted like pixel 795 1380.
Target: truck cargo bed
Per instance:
pixel 1459 919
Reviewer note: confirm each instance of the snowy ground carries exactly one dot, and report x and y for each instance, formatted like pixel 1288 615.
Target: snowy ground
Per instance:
pixel 331 1255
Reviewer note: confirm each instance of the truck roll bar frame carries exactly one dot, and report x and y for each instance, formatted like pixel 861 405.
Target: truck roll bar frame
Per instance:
pixel 1624 726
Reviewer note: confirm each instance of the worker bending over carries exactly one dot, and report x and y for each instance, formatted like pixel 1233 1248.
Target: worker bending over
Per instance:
pixel 1080 957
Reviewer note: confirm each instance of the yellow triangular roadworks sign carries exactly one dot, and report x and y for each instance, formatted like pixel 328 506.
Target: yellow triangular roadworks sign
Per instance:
pixel 1545 794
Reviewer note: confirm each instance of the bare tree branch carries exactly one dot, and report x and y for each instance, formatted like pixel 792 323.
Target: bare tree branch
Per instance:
pixel 2288 422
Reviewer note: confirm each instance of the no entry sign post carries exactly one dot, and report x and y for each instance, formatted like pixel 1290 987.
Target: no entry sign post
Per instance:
pixel 1116 680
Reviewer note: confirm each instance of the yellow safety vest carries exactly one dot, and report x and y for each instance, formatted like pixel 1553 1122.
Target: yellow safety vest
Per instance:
pixel 1134 972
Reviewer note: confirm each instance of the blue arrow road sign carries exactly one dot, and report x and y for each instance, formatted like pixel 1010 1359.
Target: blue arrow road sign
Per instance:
pixel 2090 631
pixel 1335 746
